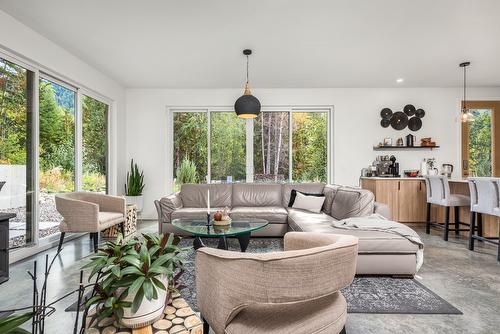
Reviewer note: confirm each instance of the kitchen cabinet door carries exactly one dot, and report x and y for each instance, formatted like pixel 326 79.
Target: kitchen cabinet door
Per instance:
pixel 387 192
pixel 412 202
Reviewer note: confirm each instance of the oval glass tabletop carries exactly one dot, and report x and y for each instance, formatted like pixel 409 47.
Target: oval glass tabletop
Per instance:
pixel 199 228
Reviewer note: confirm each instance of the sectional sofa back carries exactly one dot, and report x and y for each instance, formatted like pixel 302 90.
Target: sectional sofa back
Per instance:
pixel 257 194
pixel 340 201
pixel 195 195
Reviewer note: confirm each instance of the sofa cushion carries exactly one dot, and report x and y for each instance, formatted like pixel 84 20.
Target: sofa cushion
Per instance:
pixel 106 217
pixel 312 203
pixel 310 188
pixel 195 195
pixel 370 242
pixel 193 213
pixel 273 214
pixel 330 190
pixel 352 202
pixel 256 194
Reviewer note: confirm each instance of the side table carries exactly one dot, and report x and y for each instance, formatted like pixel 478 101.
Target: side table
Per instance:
pixel 130 224
pixel 178 318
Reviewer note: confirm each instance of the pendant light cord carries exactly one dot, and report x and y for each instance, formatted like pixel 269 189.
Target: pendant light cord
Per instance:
pixel 247 69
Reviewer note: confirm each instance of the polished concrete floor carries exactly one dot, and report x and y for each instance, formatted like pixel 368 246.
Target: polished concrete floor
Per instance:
pixel 468 280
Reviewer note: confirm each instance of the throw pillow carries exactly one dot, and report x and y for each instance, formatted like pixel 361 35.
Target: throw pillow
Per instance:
pixel 309 203
pixel 293 195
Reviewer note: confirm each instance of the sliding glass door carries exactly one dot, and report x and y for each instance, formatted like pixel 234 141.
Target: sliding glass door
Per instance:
pixel 278 146
pixel 16 150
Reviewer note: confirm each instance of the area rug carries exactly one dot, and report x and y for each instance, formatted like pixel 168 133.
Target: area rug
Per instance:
pixel 383 295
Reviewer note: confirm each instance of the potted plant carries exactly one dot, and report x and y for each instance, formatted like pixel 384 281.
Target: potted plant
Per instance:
pixel 134 186
pixel 134 278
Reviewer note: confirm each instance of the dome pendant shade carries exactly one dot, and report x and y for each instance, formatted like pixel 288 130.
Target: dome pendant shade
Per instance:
pixel 247 106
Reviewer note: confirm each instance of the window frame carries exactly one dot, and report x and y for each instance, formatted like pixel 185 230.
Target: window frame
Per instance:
pixel 39 71
pixel 170 110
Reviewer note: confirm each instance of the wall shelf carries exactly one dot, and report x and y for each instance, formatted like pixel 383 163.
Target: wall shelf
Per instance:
pixel 398 148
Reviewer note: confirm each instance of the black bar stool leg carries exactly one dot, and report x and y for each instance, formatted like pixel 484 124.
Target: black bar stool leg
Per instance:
pixel 446 223
pixel 206 326
pixel 61 240
pixel 472 230
pixel 428 221
pixel 456 213
pixel 498 255
pixel 480 224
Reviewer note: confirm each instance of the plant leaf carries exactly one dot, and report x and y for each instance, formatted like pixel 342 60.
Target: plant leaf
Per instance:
pixel 137 284
pixel 10 323
pixel 137 300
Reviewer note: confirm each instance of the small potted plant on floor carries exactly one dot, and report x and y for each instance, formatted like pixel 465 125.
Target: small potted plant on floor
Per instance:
pixel 134 186
pixel 134 278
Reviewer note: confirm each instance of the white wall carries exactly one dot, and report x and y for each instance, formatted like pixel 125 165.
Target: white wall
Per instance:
pixel 356 125
pixel 18 39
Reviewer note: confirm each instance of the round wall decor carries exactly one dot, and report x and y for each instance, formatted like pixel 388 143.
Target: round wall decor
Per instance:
pixel 399 120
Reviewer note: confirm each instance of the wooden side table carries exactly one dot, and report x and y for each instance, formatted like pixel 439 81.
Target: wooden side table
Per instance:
pixel 130 224
pixel 178 318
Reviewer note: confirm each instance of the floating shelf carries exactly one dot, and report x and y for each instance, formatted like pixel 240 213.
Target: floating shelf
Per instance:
pixel 388 148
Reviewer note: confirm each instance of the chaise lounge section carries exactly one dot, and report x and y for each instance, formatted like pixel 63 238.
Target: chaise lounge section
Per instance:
pixel 380 253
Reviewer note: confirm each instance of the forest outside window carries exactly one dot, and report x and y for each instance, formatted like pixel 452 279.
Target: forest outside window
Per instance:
pixel 277 146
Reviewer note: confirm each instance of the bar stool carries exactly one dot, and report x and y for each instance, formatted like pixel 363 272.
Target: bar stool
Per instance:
pixel 485 198
pixel 438 193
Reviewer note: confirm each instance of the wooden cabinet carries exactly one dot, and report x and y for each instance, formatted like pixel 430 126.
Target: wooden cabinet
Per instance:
pixel 405 197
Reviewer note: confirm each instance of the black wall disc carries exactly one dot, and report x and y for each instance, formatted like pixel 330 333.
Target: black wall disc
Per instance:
pixel 384 122
pixel 386 113
pixel 420 113
pixel 414 124
pixel 399 120
pixel 409 109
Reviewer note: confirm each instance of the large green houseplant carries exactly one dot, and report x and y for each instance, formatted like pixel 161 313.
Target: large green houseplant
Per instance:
pixel 134 186
pixel 135 277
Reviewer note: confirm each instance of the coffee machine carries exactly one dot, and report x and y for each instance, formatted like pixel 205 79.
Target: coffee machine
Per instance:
pixel 386 166
pixel 447 170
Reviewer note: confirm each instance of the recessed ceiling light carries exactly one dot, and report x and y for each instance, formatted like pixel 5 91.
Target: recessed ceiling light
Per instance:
pixel 400 80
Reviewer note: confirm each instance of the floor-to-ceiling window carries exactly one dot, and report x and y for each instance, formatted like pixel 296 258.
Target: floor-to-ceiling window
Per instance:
pixel 279 145
pixel 94 145
pixel 16 150
pixel 56 150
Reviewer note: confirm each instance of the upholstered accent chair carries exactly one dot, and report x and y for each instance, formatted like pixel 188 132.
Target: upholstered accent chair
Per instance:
pixel 89 212
pixel 295 291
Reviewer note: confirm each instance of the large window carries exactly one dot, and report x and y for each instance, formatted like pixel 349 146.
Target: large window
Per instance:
pixel 16 147
pixel 277 146
pixel 57 110
pixel 227 147
pixel 94 145
pixel 64 133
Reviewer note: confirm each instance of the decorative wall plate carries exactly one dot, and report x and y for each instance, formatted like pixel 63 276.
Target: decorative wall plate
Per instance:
pixel 409 109
pixel 414 124
pixel 420 113
pixel 386 113
pixel 399 120
pixel 385 122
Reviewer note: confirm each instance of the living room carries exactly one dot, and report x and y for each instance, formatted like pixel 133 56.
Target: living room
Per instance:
pixel 324 166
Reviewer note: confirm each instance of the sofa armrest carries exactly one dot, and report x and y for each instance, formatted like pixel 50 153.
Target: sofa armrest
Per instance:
pixel 166 205
pixel 382 209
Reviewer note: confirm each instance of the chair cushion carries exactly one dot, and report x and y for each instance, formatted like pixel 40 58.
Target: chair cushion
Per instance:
pixel 369 241
pixel 273 214
pixel 459 200
pixel 256 194
pixel 195 195
pixel 193 213
pixel 323 315
pixel 106 217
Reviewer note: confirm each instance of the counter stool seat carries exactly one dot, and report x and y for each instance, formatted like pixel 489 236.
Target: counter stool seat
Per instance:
pixel 438 193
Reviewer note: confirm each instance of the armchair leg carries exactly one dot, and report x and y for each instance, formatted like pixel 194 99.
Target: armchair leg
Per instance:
pixel 206 326
pixel 61 240
pixel 343 331
pixel 122 229
pixel 95 238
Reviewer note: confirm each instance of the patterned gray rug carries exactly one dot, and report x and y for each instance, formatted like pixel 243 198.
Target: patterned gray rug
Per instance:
pixel 364 295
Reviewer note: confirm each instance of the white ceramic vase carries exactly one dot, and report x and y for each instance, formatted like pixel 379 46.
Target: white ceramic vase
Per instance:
pixel 137 200
pixel 149 311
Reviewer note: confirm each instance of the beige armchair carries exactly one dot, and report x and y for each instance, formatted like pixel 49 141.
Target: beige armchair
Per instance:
pixel 89 212
pixel 295 291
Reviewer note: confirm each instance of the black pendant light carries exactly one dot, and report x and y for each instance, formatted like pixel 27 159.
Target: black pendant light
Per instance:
pixel 247 106
pixel 465 115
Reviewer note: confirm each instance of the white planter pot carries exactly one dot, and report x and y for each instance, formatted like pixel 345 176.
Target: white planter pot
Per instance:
pixel 149 311
pixel 137 200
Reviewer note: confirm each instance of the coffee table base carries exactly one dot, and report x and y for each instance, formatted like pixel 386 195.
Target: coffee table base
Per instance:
pixel 243 239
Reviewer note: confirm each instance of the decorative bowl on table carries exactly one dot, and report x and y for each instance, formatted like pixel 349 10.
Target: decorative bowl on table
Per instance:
pixel 222 222
pixel 411 173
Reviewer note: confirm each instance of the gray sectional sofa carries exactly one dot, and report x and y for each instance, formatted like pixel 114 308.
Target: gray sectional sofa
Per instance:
pixel 379 253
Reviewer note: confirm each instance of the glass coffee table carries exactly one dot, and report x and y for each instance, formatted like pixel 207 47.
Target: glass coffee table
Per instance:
pixel 240 228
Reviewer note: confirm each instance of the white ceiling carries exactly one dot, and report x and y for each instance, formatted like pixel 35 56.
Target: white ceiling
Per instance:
pixel 308 43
